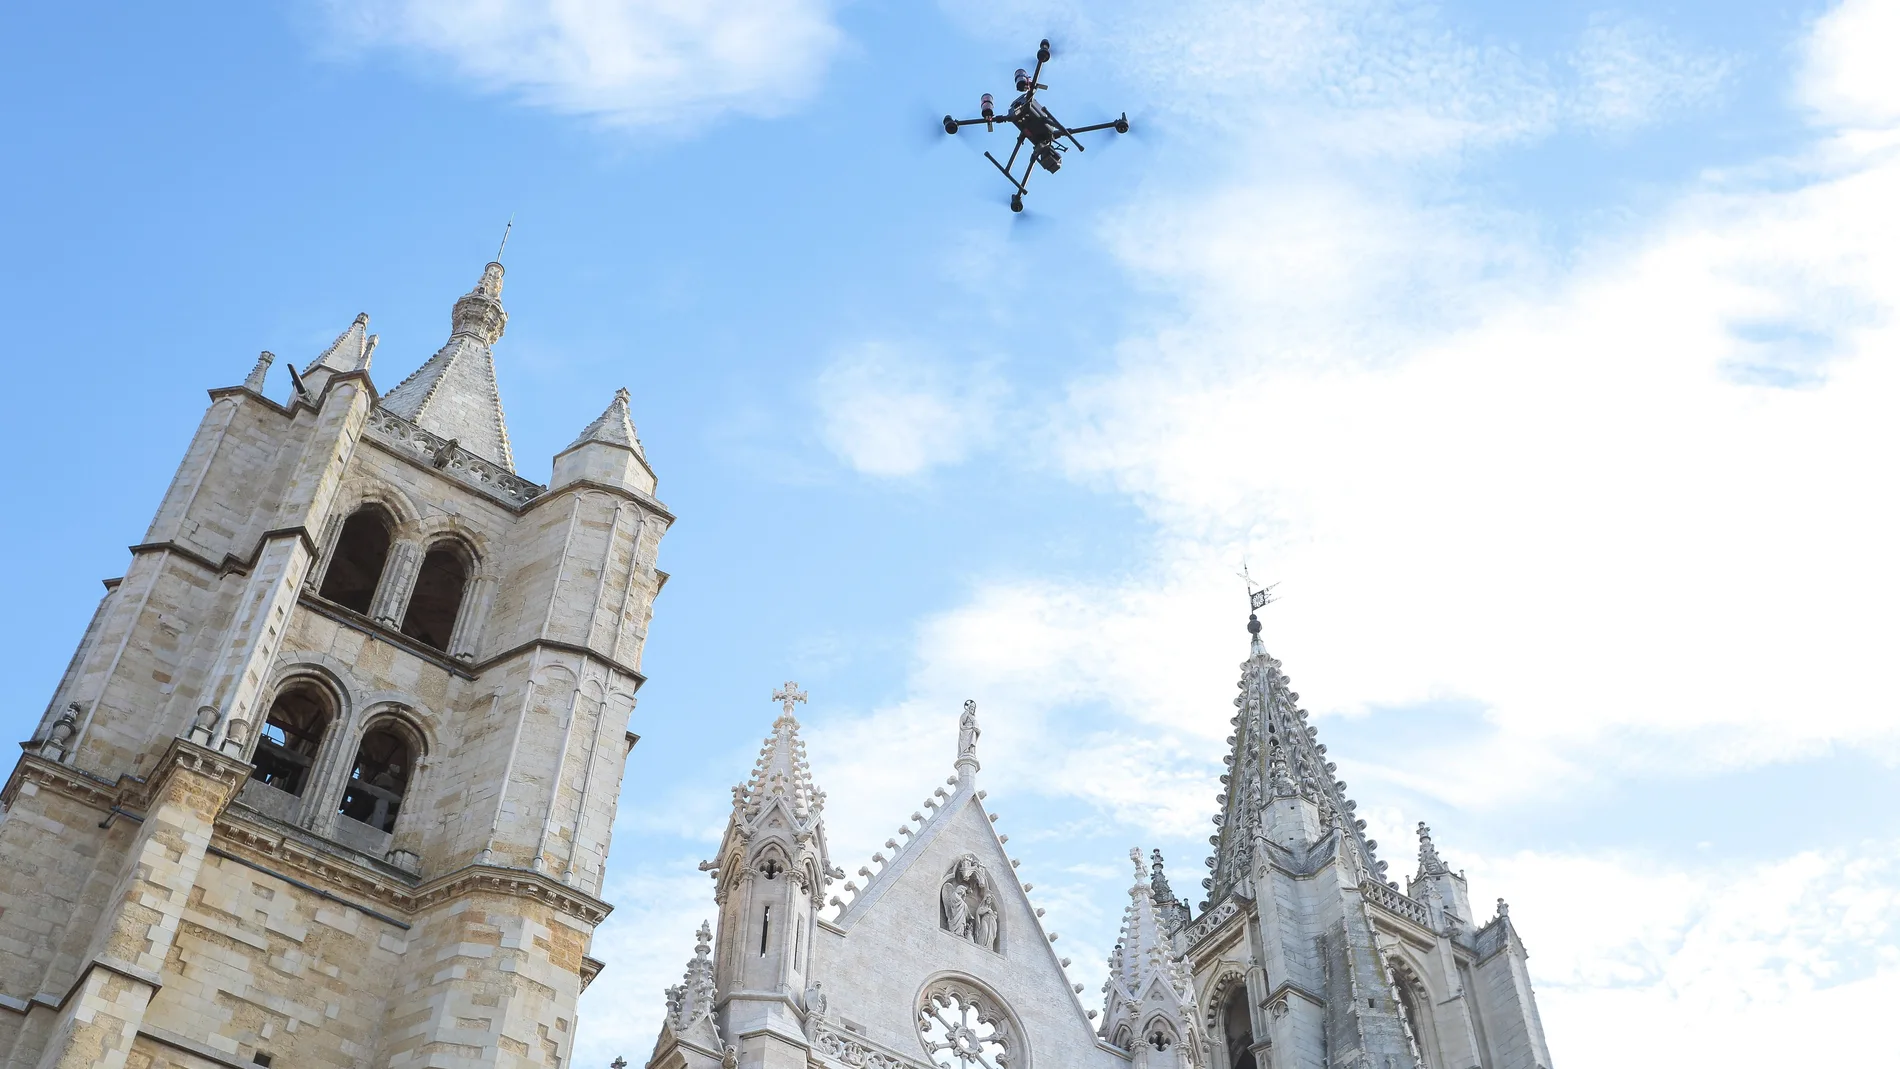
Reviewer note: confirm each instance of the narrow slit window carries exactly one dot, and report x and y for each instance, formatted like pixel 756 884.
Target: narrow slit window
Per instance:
pixel 765 930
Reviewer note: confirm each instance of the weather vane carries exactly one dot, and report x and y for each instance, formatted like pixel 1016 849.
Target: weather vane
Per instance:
pixel 1258 597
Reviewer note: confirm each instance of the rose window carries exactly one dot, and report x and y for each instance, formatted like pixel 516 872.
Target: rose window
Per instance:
pixel 963 1028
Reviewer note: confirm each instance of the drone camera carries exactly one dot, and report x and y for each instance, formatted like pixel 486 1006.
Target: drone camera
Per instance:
pixel 1022 80
pixel 989 106
pixel 1049 157
pixel 1042 52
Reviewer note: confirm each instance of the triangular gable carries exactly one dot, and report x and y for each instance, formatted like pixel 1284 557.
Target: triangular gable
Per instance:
pixel 890 942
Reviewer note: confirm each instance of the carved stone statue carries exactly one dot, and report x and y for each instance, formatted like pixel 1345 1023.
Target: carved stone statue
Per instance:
pixel 970 905
pixel 967 731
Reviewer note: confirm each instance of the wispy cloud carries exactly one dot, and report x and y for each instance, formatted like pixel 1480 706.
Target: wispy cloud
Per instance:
pixel 896 413
pixel 1633 72
pixel 625 62
pixel 1614 499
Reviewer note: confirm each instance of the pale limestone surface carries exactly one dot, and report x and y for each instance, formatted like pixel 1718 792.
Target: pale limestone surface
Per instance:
pixel 1303 957
pixel 215 917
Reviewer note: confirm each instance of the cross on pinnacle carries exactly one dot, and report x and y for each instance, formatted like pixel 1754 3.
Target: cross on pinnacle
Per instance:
pixel 789 694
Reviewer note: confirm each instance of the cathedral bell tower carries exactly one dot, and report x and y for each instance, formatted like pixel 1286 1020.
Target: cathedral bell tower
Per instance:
pixel 331 777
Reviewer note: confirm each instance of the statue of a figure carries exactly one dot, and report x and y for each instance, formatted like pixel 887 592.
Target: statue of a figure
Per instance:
pixel 967 731
pixel 983 925
pixel 969 903
pixel 956 899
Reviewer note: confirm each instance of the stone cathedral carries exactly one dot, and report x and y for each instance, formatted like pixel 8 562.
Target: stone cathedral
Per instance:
pixel 1303 955
pixel 330 779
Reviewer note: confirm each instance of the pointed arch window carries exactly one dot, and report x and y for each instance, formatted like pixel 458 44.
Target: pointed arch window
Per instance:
pixel 1406 986
pixel 292 734
pixel 1237 1028
pixel 379 779
pixel 356 565
pixel 437 599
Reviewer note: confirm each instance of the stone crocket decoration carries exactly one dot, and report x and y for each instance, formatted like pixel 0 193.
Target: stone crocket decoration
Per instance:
pixel 970 904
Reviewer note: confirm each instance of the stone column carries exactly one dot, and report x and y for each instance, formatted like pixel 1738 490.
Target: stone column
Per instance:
pixel 392 591
pixel 103 1011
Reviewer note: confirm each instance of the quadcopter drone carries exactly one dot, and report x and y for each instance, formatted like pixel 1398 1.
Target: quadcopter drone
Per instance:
pixel 1034 124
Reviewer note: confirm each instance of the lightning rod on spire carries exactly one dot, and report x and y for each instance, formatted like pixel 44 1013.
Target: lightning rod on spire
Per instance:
pixel 504 237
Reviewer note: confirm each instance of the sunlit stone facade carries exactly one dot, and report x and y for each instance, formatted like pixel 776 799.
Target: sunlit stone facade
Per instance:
pixel 1302 956
pixel 331 777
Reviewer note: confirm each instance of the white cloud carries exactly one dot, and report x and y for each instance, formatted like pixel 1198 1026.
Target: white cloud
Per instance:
pixel 896 414
pixel 1713 966
pixel 627 62
pixel 1850 78
pixel 646 943
pixel 1632 73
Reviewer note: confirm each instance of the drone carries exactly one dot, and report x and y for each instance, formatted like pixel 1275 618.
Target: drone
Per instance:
pixel 1034 124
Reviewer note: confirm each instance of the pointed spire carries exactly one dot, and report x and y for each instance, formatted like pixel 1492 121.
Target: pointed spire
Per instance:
pixel 454 394
pixel 349 352
pixel 614 427
pixel 782 771
pixel 690 1005
pixel 1145 974
pixel 254 382
pixel 1276 755
pixel 1429 863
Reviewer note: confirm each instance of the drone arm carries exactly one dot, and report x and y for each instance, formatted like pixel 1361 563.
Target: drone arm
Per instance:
pixel 1110 125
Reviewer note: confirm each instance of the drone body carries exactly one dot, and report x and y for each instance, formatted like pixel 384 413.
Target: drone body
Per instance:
pixel 1035 125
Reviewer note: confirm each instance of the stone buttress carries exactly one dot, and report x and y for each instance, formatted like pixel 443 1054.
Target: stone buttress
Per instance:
pixel 331 777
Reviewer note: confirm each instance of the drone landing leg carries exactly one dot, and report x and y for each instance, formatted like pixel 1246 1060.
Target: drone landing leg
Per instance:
pixel 1012 178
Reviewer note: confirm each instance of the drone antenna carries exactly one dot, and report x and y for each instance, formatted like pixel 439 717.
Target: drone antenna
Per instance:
pixel 504 237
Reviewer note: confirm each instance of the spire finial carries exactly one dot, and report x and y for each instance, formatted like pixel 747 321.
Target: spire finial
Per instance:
pixel 254 382
pixel 504 237
pixel 622 396
pixel 790 695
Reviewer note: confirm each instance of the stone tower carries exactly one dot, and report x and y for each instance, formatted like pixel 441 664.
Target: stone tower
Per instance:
pixel 1306 956
pixel 331 777
pixel 1303 956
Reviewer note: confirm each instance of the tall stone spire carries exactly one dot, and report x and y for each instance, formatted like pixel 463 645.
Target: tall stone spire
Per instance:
pixel 454 394
pixel 1279 786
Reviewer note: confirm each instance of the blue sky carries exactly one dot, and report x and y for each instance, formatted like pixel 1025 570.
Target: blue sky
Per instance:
pixel 1544 353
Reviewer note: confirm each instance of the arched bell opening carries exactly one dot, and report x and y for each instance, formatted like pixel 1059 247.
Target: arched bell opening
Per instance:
pixel 436 601
pixel 356 564
pixel 292 736
pixel 379 778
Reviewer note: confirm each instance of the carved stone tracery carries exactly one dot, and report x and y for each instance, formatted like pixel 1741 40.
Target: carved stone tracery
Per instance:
pixel 963 1027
